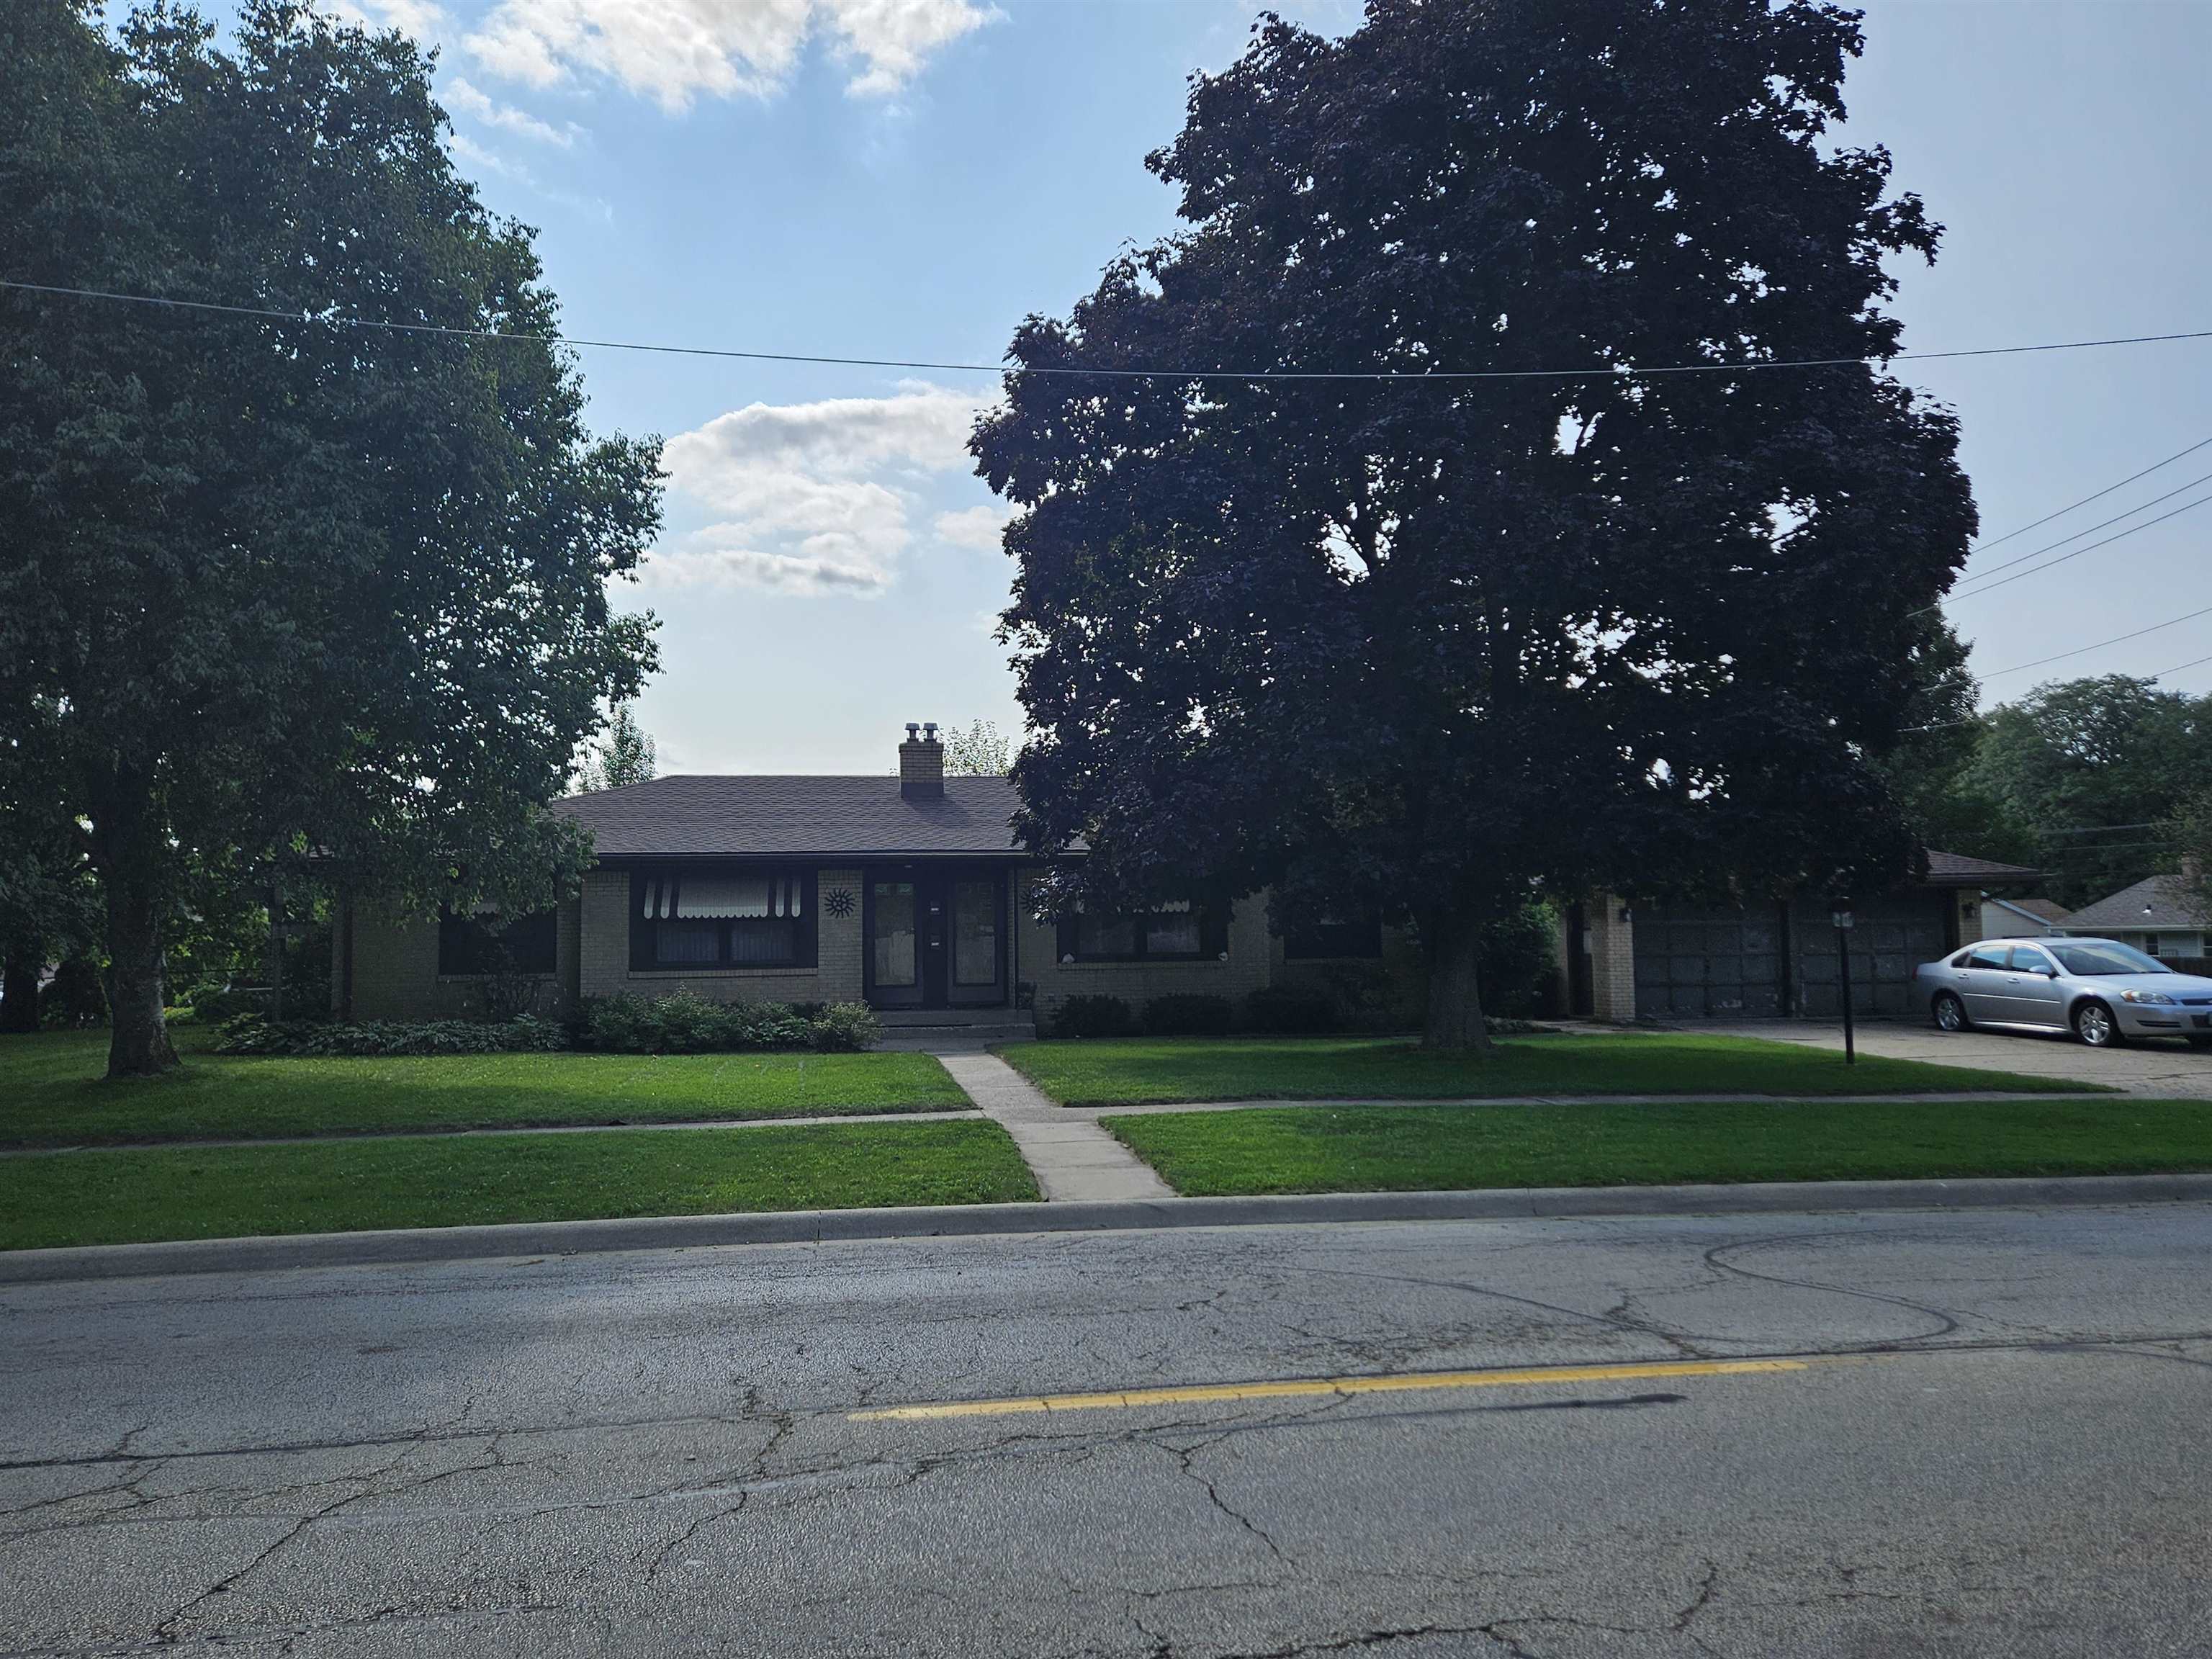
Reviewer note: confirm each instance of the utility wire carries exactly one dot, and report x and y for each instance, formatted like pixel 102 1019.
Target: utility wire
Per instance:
pixel 2087 530
pixel 2195 662
pixel 2186 507
pixel 2038 524
pixel 1604 372
pixel 2171 622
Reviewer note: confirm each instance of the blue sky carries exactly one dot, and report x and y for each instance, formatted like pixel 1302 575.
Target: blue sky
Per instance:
pixel 909 177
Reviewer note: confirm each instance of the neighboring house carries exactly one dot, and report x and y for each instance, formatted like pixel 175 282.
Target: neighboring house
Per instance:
pixel 908 893
pixel 2155 915
pixel 2023 918
pixel 1628 961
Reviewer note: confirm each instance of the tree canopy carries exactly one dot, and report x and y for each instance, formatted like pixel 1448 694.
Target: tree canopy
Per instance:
pixel 1421 642
pixel 2078 774
pixel 282 588
pixel 625 755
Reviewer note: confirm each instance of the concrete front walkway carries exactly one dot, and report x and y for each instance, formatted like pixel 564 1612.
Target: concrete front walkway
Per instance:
pixel 1072 1159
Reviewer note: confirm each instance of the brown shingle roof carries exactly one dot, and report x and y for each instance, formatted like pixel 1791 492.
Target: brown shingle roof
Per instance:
pixel 2159 901
pixel 794 817
pixel 1957 870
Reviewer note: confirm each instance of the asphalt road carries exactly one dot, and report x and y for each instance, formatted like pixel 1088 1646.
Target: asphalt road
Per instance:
pixel 1996 1445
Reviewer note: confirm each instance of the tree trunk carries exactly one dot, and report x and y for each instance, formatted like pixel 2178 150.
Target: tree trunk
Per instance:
pixel 1453 945
pixel 19 987
pixel 139 1033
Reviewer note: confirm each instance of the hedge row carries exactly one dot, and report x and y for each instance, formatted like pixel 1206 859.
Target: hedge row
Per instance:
pixel 680 1024
pixel 1281 1010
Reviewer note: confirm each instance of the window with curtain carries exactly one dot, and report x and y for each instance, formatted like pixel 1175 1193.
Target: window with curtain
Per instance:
pixel 1334 932
pixel 1179 930
pixel 704 917
pixel 484 944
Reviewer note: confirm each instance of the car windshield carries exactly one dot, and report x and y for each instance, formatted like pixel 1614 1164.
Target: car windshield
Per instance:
pixel 2089 960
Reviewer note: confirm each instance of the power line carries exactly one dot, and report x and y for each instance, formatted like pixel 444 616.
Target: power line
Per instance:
pixel 2087 530
pixel 2194 662
pixel 2186 507
pixel 1608 373
pixel 2039 523
pixel 2171 622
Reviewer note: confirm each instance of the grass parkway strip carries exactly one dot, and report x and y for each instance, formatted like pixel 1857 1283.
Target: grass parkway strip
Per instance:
pixel 51 1092
pixel 1413 1148
pixel 114 1197
pixel 1132 1071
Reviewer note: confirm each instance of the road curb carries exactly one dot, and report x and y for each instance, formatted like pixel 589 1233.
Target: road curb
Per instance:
pixel 301 1250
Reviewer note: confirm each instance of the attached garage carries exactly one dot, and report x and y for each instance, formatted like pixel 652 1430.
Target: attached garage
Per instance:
pixel 1782 958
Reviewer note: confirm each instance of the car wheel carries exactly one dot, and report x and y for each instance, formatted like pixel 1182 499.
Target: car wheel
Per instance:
pixel 1950 1013
pixel 2094 1025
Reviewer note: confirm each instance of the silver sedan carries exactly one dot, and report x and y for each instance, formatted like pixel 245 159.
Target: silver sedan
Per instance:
pixel 2102 991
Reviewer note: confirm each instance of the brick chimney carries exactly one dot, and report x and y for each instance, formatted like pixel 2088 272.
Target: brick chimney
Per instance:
pixel 921 763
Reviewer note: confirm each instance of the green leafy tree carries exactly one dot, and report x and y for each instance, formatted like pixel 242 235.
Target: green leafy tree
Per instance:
pixel 1932 771
pixel 624 756
pixel 1423 644
pixel 2089 767
pixel 978 751
pixel 2187 833
pixel 280 586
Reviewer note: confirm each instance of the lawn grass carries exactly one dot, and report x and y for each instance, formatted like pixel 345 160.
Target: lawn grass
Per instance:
pixel 1330 1149
pixel 51 1092
pixel 112 1197
pixel 1138 1070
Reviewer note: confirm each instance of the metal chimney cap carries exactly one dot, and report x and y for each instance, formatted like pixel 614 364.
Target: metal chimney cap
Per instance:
pixel 912 727
pixel 929 730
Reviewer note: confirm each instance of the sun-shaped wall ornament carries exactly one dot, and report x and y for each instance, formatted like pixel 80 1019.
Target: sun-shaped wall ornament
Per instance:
pixel 837 902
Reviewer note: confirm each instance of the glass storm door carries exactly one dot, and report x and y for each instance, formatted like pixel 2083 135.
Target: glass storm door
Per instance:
pixel 894 963
pixel 936 938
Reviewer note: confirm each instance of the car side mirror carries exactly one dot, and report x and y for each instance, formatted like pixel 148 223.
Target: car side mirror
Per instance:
pixel 2048 973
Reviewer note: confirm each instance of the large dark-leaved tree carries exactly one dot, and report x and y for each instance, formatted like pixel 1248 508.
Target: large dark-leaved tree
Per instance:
pixel 1421 643
pixel 283 589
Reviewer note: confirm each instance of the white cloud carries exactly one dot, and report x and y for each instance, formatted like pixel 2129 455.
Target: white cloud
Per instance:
pixel 671 51
pixel 424 19
pixel 813 497
pixel 979 527
pixel 463 97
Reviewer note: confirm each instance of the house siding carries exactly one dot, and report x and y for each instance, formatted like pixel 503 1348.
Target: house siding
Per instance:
pixel 1249 963
pixel 395 970
pixel 604 922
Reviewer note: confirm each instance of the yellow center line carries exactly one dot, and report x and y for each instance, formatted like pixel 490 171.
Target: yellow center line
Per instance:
pixel 1343 1387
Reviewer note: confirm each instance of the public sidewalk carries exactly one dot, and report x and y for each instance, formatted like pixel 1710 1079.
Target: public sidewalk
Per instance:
pixel 1073 1159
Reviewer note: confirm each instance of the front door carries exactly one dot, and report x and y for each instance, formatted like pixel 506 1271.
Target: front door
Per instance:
pixel 936 936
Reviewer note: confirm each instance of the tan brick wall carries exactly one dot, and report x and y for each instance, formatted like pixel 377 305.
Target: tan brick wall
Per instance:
pixel 1250 962
pixel 1612 959
pixel 604 921
pixel 395 971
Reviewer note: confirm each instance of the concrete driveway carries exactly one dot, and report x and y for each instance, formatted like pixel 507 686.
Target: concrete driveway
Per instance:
pixel 2166 1069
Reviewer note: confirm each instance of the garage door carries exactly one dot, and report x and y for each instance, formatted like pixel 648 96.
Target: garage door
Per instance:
pixel 1698 963
pixel 1722 962
pixel 1889 938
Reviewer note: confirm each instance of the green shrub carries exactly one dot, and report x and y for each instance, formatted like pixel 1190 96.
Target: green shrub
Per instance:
pixel 1187 1015
pixel 844 1028
pixel 74 999
pixel 1289 1009
pixel 1093 1016
pixel 250 1034
pixel 685 1023
pixel 1518 961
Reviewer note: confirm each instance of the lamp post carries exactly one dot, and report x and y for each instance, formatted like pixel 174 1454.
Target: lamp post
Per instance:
pixel 1842 918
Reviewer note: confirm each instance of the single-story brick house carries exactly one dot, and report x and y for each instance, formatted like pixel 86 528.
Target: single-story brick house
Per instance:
pixel 907 892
